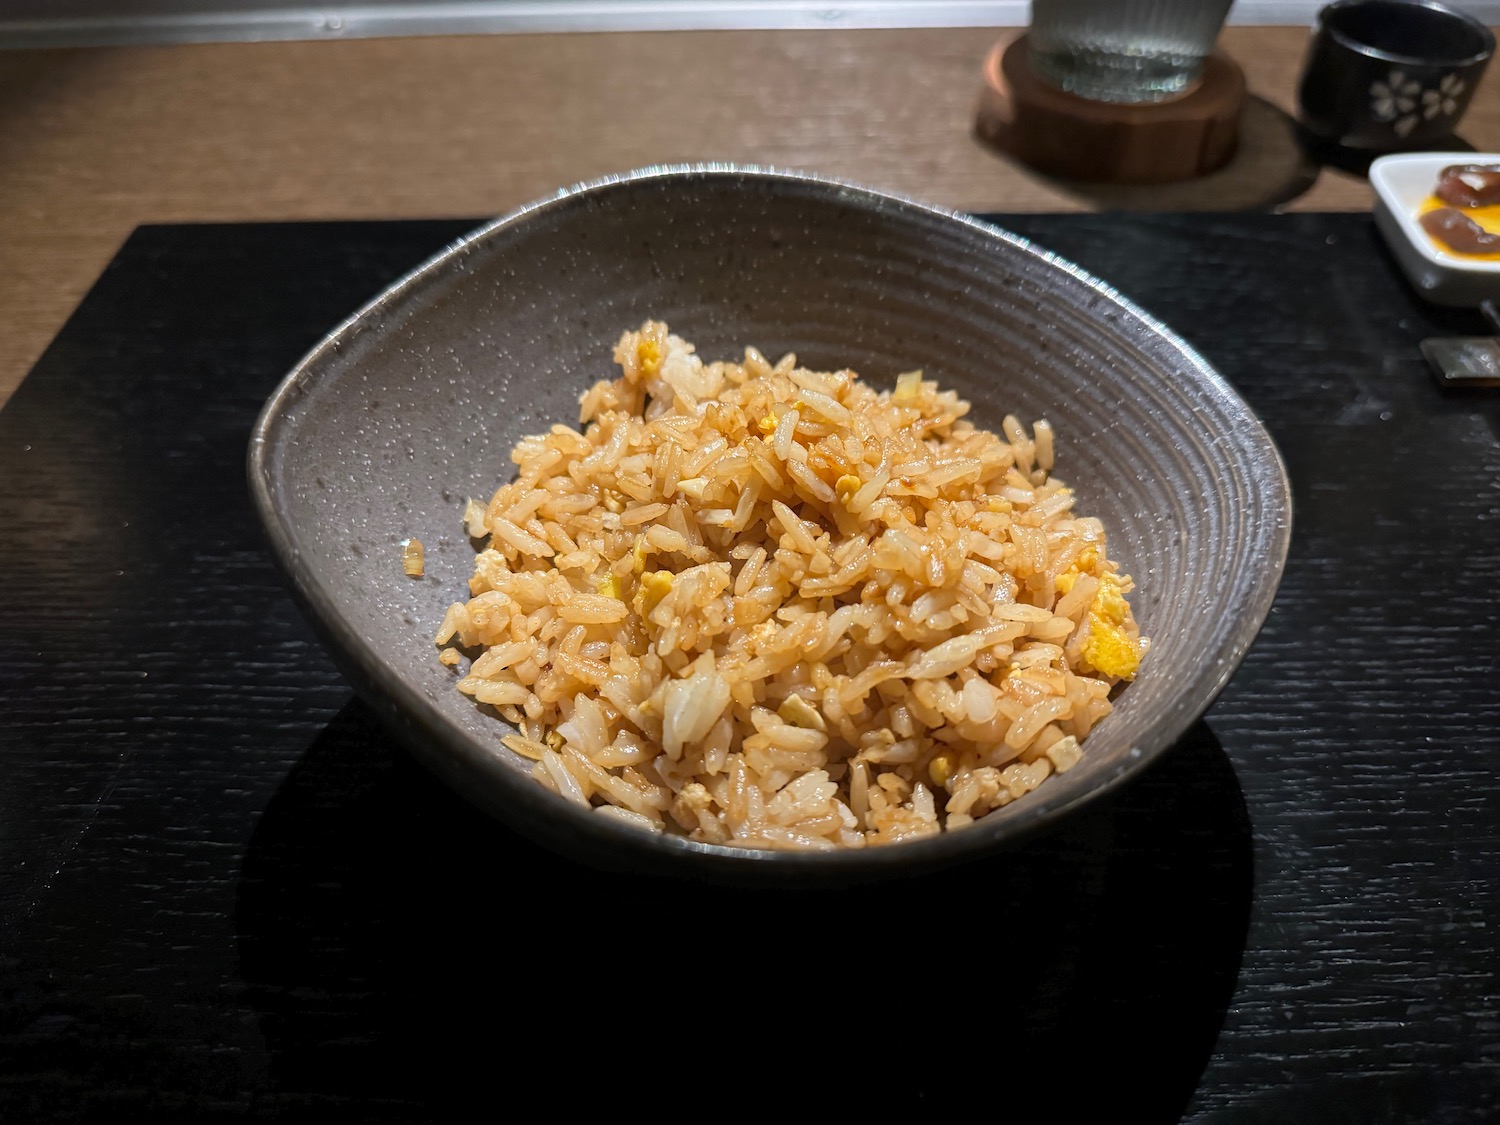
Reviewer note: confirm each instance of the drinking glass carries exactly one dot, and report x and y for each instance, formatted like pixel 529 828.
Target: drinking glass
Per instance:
pixel 1123 50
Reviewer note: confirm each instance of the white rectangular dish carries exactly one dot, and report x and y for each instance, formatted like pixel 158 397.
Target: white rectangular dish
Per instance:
pixel 1402 183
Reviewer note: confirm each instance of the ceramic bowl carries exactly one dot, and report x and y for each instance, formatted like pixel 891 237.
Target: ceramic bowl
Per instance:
pixel 413 404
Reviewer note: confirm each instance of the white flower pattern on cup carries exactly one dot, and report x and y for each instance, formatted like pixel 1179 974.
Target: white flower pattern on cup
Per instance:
pixel 1444 99
pixel 1396 95
pixel 1402 101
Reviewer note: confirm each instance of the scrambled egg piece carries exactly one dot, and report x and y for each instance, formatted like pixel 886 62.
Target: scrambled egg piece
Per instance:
pixel 767 425
pixel 655 585
pixel 1086 563
pixel 609 588
pixel 1110 651
pixel 1109 648
pixel 940 769
pixel 1109 602
pixel 648 357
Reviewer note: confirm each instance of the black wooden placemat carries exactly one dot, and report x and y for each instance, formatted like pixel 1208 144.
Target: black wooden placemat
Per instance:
pixel 225 893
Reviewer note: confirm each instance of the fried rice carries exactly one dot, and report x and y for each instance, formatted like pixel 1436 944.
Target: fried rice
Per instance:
pixel 765 606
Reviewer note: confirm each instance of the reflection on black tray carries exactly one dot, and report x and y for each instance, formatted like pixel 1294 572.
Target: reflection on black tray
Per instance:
pixel 394 940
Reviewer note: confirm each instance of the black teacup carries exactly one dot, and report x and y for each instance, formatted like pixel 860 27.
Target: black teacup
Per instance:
pixel 1390 75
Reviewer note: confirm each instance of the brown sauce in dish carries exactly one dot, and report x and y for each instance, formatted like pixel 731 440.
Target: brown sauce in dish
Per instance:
pixel 1469 185
pixel 1473 232
pixel 1455 231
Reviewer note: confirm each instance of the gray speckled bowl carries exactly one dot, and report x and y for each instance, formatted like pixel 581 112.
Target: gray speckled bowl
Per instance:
pixel 414 403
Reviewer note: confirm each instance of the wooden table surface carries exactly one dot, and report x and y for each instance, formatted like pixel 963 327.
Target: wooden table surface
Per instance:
pixel 94 142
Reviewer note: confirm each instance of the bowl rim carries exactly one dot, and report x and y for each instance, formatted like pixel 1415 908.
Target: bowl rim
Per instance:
pixel 395 697
pixel 1383 174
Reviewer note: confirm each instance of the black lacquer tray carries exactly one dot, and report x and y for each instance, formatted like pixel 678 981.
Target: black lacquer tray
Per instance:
pixel 225 893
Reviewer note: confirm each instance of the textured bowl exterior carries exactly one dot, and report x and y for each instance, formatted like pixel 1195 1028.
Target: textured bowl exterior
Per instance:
pixel 413 405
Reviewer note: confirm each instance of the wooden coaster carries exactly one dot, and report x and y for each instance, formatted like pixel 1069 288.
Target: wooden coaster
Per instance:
pixel 1269 168
pixel 1077 138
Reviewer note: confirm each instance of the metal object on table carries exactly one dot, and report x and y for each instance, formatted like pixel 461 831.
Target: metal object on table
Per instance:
pixel 1467 361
